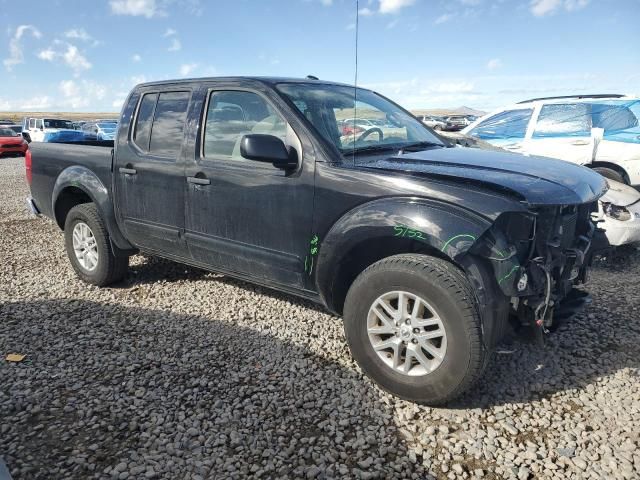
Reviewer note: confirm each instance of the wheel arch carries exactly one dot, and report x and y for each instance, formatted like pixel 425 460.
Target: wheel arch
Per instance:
pixel 613 166
pixel 389 227
pixel 77 185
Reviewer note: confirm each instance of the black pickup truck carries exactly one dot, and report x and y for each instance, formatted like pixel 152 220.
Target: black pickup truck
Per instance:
pixel 426 251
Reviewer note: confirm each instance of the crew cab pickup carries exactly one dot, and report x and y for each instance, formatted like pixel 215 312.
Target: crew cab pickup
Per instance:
pixel 426 251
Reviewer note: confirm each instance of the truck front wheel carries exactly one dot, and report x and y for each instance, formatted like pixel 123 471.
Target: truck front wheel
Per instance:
pixel 88 247
pixel 413 326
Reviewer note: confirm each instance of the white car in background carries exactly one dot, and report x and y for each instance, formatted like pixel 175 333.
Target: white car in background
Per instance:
pixel 436 123
pixel 35 129
pixel 619 214
pixel 599 131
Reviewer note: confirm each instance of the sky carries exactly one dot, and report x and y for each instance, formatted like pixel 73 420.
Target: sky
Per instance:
pixel 79 55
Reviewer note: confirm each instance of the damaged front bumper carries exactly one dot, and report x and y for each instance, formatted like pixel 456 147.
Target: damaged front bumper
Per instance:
pixel 538 258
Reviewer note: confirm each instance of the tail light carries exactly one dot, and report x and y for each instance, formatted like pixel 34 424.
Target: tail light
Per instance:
pixel 27 165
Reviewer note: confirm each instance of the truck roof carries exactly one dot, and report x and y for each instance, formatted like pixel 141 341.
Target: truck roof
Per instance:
pixel 266 80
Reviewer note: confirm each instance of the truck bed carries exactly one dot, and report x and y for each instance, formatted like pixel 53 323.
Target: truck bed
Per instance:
pixel 50 159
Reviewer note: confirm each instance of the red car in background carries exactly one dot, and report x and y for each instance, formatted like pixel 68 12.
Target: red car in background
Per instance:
pixel 11 143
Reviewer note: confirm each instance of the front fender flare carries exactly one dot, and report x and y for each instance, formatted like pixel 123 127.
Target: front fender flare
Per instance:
pixel 84 179
pixel 449 229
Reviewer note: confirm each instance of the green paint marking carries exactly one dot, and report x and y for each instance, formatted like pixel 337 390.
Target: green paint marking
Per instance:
pixel 401 230
pixel 462 235
pixel 517 267
pixel 313 251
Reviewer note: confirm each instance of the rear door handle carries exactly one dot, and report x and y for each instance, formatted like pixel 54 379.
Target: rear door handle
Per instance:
pixel 128 171
pixel 199 180
pixel 580 142
pixel 513 147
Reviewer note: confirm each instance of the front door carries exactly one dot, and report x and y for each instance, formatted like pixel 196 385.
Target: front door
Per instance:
pixel 244 216
pixel 149 174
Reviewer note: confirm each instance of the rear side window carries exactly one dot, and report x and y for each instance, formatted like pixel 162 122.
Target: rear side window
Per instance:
pixel 612 117
pixel 142 130
pixel 168 124
pixel 564 120
pixel 504 125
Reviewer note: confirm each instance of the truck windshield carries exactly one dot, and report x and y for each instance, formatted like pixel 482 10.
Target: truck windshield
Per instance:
pixel 357 120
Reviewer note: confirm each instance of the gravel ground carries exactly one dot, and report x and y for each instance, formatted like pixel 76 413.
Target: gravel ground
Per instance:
pixel 179 373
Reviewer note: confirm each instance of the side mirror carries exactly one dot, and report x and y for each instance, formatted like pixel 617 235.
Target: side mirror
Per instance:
pixel 268 148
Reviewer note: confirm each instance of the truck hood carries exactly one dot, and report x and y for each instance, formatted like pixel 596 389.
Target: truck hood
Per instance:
pixel 536 180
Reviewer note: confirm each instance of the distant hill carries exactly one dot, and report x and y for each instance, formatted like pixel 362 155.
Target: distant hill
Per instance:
pixel 442 112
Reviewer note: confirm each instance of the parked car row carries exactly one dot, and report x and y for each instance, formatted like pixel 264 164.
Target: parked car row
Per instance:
pixel 57 129
pixel 451 123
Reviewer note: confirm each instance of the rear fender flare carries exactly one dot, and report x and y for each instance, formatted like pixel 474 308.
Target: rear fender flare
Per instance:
pixel 84 179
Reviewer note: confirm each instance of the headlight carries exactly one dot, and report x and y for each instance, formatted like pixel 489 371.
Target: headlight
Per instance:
pixel 616 212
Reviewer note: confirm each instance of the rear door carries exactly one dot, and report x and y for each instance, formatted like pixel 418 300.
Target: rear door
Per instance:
pixel 244 216
pixel 562 130
pixel 149 175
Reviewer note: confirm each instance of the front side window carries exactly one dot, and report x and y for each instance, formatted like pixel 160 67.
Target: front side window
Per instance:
pixel 356 120
pixel 233 114
pixel 510 124
pixel 564 120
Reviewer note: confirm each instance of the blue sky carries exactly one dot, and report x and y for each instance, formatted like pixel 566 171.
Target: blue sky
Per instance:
pixel 84 55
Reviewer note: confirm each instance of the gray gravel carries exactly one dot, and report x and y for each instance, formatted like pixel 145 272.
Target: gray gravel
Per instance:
pixel 179 373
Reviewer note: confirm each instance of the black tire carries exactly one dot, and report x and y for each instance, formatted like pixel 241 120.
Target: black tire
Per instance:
pixel 109 269
pixel 611 174
pixel 445 288
pixel 437 128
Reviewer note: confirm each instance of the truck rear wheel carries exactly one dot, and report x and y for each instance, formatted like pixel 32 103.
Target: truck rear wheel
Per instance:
pixel 88 247
pixel 413 326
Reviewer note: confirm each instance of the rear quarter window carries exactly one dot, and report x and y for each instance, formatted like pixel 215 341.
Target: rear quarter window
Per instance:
pixel 142 129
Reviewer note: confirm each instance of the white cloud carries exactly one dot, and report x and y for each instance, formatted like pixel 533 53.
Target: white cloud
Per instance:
pixel 366 12
pixel 81 34
pixel 47 54
pixel 5 105
pixel 494 64
pixel 392 24
pixel 393 6
pixel 326 3
pixel 82 94
pixel 445 17
pixel 540 8
pixel 175 46
pixel 16 56
pixel 136 58
pixel 36 103
pixel 187 68
pixel 136 8
pixel 74 59
pixel 70 56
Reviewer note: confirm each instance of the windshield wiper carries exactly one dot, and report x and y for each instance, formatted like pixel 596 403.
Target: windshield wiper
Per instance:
pixel 417 146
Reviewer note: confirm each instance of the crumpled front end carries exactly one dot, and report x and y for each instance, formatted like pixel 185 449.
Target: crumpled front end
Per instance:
pixel 538 257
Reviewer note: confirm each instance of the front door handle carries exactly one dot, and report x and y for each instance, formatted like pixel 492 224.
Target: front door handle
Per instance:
pixel 199 180
pixel 580 142
pixel 128 171
pixel 513 146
